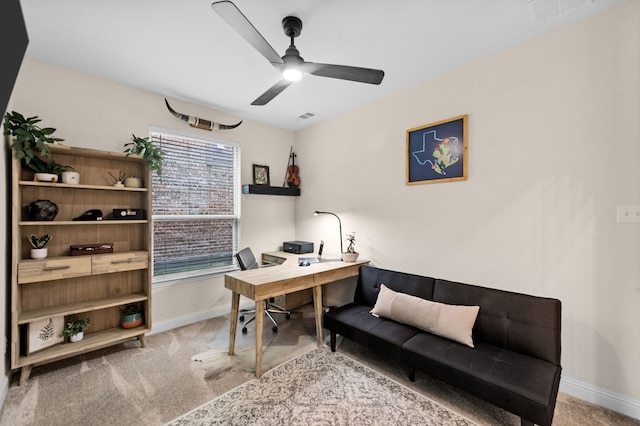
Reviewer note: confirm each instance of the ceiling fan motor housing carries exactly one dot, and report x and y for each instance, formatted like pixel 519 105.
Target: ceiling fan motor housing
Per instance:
pixel 292 26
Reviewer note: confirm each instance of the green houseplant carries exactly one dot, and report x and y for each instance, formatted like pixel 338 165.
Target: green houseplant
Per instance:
pixel 131 315
pixel 74 328
pixel 39 251
pixel 144 147
pixel 31 143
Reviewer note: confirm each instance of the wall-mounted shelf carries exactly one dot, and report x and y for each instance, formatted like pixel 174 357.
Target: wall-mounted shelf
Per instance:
pixel 270 190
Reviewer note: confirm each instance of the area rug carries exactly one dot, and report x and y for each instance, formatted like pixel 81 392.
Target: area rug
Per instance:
pixel 321 388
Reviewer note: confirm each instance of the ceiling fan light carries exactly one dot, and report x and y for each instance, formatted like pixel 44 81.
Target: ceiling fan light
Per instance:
pixel 292 74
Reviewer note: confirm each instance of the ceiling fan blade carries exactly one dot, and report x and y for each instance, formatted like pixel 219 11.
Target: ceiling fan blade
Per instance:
pixel 343 72
pixel 232 15
pixel 272 92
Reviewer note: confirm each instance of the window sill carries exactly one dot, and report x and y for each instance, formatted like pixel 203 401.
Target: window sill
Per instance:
pixel 178 279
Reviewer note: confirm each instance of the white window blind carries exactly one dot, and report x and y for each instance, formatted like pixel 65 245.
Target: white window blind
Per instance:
pixel 195 206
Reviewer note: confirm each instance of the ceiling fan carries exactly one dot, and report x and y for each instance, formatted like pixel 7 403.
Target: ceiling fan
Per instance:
pixel 291 65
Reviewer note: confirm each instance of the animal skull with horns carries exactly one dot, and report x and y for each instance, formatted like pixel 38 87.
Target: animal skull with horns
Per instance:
pixel 199 122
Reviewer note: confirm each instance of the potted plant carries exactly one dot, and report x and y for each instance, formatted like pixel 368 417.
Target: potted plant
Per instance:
pixel 131 315
pixel 151 153
pixel 351 255
pixel 47 171
pixel 31 143
pixel 39 251
pixel 74 328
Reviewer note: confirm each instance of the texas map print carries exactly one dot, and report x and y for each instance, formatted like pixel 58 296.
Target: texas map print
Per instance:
pixel 445 152
pixel 437 151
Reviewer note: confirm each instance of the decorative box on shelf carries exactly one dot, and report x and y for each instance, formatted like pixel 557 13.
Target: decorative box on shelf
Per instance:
pixel 86 249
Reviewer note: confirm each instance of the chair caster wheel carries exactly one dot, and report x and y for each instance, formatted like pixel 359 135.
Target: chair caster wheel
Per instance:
pixel 244 330
pixel 288 316
pixel 275 329
pixel 241 318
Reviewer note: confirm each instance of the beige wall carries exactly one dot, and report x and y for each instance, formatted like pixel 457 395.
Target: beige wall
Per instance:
pixel 95 113
pixel 554 145
pixel 553 148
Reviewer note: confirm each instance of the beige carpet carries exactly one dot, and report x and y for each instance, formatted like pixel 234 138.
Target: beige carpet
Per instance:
pixel 127 385
pixel 294 337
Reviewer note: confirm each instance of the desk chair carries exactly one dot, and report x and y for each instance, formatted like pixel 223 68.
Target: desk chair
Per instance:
pixel 247 260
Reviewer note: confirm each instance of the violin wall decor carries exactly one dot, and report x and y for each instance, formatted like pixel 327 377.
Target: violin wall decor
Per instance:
pixel 293 178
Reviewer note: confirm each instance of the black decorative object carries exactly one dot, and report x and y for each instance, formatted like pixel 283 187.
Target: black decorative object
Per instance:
pixel 43 210
pixel 129 214
pixel 93 214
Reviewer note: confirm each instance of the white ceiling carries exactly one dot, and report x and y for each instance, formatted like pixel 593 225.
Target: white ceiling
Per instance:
pixel 184 51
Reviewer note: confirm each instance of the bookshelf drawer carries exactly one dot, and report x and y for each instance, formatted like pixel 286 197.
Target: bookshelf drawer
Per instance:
pixel 30 271
pixel 119 262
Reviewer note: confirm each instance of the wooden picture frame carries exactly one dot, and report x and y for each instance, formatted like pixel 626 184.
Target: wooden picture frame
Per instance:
pixel 261 175
pixel 44 333
pixel 437 152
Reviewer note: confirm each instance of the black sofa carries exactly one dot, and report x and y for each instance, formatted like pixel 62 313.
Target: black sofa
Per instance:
pixel 514 365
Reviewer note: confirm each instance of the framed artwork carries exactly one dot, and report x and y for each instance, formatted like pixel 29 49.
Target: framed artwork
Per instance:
pixel 260 175
pixel 44 333
pixel 437 152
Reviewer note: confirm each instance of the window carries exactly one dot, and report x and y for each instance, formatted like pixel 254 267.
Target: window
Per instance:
pixel 195 206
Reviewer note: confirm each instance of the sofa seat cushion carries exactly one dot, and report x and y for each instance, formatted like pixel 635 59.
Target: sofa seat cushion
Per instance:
pixel 504 377
pixel 355 322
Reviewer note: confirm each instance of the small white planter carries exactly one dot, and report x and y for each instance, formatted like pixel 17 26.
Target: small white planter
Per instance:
pixel 76 337
pixel 72 178
pixel 40 253
pixel 132 182
pixel 350 257
pixel 46 177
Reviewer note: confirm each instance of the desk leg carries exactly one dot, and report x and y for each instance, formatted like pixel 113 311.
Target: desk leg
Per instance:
pixel 235 305
pixel 317 307
pixel 259 326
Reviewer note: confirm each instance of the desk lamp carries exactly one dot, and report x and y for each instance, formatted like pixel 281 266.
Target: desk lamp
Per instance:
pixel 316 213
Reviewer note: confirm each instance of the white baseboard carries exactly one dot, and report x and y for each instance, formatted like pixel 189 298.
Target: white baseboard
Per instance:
pixel 158 327
pixel 601 397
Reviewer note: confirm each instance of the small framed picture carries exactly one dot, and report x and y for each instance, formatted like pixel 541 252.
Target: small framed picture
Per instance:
pixel 44 333
pixel 437 152
pixel 260 175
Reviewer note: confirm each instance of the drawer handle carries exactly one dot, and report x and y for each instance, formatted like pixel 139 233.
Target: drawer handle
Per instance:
pixel 115 262
pixel 55 268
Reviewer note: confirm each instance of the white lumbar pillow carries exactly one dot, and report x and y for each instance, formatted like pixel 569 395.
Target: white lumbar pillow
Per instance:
pixel 454 322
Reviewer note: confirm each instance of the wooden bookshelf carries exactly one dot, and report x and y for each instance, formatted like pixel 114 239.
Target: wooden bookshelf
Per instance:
pixel 93 286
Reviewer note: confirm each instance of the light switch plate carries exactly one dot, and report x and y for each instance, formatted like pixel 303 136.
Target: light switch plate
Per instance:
pixel 628 214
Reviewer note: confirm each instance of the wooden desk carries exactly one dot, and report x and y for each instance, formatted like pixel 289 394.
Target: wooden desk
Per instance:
pixel 263 283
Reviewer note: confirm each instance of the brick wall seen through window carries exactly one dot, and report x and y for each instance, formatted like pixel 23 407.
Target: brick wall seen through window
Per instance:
pixel 195 205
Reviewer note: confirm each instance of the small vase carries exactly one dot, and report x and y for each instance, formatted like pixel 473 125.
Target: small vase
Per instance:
pixel 76 337
pixel 40 253
pixel 43 210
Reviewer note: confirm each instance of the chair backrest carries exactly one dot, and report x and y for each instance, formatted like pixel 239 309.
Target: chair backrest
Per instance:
pixel 246 259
